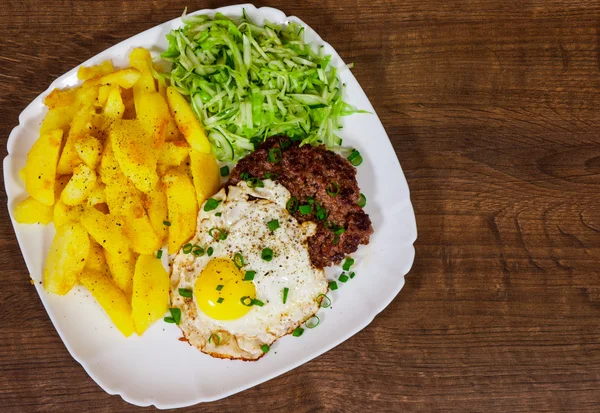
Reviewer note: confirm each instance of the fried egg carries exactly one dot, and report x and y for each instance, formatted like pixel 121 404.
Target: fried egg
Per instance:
pixel 248 256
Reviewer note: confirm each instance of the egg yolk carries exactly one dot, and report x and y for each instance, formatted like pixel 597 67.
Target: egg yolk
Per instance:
pixel 219 290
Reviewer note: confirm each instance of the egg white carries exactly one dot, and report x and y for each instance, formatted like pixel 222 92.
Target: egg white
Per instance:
pixel 244 215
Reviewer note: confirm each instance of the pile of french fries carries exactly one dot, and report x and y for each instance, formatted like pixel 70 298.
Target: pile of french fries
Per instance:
pixel 120 168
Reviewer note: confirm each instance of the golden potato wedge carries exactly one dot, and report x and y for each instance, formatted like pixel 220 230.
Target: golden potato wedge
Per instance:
pixel 125 78
pixel 182 208
pixel 153 112
pixel 140 59
pixel 32 211
pixel 114 107
pixel 172 154
pixel 186 120
pixel 60 214
pixel 40 168
pixel 81 184
pixel 116 194
pixel 66 258
pixel 89 149
pixel 109 170
pixel 89 72
pixel 97 195
pixel 60 98
pixel 150 298
pixel 103 92
pixel 104 229
pixel 111 299
pixel 59 185
pixel 134 153
pixel 80 127
pixel 96 260
pixel 87 96
pixel 58 118
pixel 205 173
pixel 156 208
pixel 122 266
pixel 138 229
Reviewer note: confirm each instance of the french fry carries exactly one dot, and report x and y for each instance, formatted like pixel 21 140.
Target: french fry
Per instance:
pixel 122 266
pixel 138 229
pixel 156 208
pixel 125 78
pixel 60 98
pixel 97 195
pixel 172 154
pixel 96 260
pixel 81 184
pixel 89 149
pixel 89 72
pixel 182 208
pixel 150 299
pixel 104 229
pixel 114 107
pixel 32 211
pixel 205 173
pixel 188 124
pixel 80 127
pixel 153 113
pixel 140 59
pixel 40 168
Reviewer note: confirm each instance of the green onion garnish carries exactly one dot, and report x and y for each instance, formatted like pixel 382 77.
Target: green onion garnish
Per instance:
pixel 310 200
pixel 265 348
pixel 312 322
pixel 187 248
pixel 355 158
pixel 333 285
pixel 321 213
pixel 166 223
pixel 245 176
pixel 209 251
pixel 352 275
pixel 343 277
pixel 285 294
pixel 185 292
pixel 218 214
pixel 298 332
pixel 267 254
pixel 220 300
pixel 211 204
pixel 362 201
pixel 347 264
pixel 215 339
pixel 249 276
pixel 323 301
pixel 159 254
pixel 333 189
pixel 169 320
pixel 176 314
pixel 238 260
pixel 275 155
pixel 305 209
pixel 292 205
pixel 224 170
pixel 271 175
pixel 219 287
pixel 257 302
pixel 217 233
pixel 273 225
pixel 198 251
pixel 255 183
pixel 247 301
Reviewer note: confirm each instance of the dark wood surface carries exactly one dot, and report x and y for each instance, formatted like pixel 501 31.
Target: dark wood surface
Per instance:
pixel 493 108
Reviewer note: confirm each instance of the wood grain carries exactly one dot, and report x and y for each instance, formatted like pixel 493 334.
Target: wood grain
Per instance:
pixel 493 108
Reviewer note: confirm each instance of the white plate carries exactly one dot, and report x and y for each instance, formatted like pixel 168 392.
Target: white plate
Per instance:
pixel 157 368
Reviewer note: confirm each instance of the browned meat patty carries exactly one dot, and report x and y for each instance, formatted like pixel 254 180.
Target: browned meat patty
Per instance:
pixel 308 172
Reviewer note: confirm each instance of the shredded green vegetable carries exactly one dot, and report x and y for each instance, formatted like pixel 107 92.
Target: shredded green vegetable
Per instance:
pixel 246 83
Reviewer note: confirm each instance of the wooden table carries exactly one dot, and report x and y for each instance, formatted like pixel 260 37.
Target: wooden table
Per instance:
pixel 493 108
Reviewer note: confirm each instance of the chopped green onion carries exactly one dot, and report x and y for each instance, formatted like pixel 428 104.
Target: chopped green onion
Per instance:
pixel 249 276
pixel 310 200
pixel 176 314
pixel 257 302
pixel 219 287
pixel 255 183
pixel 362 201
pixel 285 294
pixel 333 189
pixel 312 322
pixel 323 301
pixel 352 275
pixel 355 158
pixel 247 301
pixel 347 264
pixel 170 320
pixel 209 251
pixel 273 225
pixel 217 233
pixel 245 176
pixel 185 292
pixel 198 251
pixel 343 277
pixel 271 175
pixel 238 260
pixel 321 212
pixel 211 204
pixel 305 209
pixel 159 254
pixel 187 248
pixel 292 205
pixel 218 214
pixel 224 170
pixel 166 223
pixel 267 254
pixel 333 285
pixel 265 348
pixel 298 332
pixel 215 339
pixel 275 155
pixel 220 300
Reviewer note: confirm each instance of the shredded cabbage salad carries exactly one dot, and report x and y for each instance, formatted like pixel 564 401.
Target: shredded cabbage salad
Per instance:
pixel 246 83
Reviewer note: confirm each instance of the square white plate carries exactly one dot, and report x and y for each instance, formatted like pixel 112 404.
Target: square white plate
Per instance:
pixel 159 369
